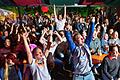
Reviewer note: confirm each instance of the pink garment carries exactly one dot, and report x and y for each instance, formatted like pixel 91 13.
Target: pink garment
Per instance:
pixel 32 46
pixel 21 47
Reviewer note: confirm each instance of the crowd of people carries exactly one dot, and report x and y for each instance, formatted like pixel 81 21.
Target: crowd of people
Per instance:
pixel 60 47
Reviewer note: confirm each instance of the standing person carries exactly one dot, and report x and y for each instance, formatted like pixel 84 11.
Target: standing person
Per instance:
pixel 110 67
pixel 10 69
pixel 60 22
pixel 81 54
pixel 7 47
pixel 37 60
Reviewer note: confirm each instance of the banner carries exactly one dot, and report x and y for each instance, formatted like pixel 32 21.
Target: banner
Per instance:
pixel 28 2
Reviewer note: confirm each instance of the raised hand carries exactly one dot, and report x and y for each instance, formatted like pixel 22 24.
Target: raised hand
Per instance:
pixel 25 35
pixel 55 12
pixel 18 37
pixel 93 19
pixel 45 30
pixel 54 5
pixel 64 6
pixel 50 32
pixel 64 11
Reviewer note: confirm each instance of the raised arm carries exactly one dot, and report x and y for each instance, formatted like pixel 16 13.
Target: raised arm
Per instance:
pixel 24 27
pixel 64 12
pixel 58 35
pixel 48 44
pixel 55 12
pixel 29 54
pixel 17 28
pixel 41 40
pixel 90 34
pixel 72 45
pixel 12 28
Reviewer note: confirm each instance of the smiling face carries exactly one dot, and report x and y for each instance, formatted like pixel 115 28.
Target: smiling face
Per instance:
pixel 106 36
pixel 38 54
pixel 7 43
pixel 79 39
pixel 60 17
pixel 115 51
pixel 6 33
pixel 115 35
pixel 111 31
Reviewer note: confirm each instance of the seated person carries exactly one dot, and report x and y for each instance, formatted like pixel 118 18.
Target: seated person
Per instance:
pixel 110 67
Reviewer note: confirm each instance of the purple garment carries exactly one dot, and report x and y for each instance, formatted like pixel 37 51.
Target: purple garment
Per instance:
pixel 32 46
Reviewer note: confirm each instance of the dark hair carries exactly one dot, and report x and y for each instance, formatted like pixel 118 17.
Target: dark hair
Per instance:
pixel 40 46
pixel 12 57
pixel 34 50
pixel 6 38
pixel 112 46
pixel 98 25
pixel 74 37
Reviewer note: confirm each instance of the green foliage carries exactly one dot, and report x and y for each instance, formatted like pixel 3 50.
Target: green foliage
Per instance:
pixel 62 2
pixel 84 11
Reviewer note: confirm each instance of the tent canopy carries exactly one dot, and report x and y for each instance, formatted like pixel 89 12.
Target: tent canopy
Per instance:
pixel 20 2
pixel 112 3
pixel 28 2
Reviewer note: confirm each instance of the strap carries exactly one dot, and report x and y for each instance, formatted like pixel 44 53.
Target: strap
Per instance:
pixel 79 61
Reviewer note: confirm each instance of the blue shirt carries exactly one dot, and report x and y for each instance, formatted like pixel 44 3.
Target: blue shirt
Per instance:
pixel 81 55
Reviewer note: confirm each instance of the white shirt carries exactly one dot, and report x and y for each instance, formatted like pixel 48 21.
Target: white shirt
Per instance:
pixel 60 24
pixel 40 73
